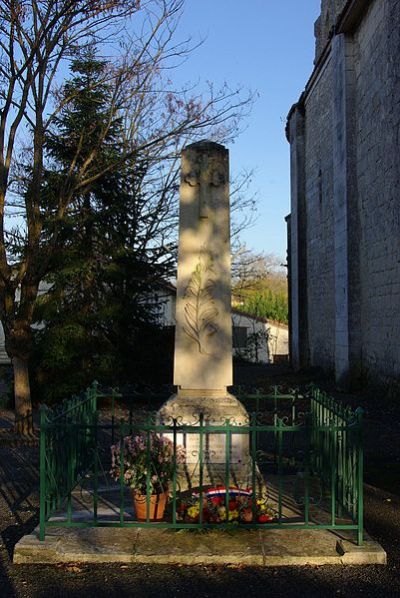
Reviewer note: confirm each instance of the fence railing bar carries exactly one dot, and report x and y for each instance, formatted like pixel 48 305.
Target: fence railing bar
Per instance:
pixel 174 478
pixel 96 471
pixel 360 476
pixel 42 473
pixel 201 465
pixel 280 481
pixel 121 474
pixel 253 438
pixel 227 466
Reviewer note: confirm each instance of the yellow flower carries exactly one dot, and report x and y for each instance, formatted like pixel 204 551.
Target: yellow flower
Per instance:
pixel 233 515
pixel 222 513
pixel 193 511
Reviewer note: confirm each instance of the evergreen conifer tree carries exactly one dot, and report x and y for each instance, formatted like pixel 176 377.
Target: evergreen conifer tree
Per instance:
pixel 98 303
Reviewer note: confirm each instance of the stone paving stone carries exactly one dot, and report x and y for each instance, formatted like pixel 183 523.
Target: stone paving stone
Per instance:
pixel 370 553
pixel 94 545
pixel 299 547
pixel 191 547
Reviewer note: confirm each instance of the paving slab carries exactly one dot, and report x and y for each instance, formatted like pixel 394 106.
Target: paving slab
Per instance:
pixel 67 545
pixel 191 547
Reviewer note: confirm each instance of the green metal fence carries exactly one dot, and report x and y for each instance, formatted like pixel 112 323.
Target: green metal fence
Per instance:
pixel 304 465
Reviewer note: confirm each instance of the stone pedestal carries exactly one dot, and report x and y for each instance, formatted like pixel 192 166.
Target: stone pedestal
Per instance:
pixel 212 410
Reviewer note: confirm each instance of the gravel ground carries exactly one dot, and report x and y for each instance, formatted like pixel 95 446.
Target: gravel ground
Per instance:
pixel 19 515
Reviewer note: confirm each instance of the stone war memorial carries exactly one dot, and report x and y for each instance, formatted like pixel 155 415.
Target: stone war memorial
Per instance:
pixel 116 482
pixel 203 337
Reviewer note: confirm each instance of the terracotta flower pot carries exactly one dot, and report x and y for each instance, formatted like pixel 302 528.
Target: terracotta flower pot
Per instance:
pixel 156 506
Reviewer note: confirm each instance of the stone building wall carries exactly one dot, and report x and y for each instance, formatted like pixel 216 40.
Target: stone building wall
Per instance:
pixel 345 195
pixel 330 11
pixel 377 58
pixel 319 214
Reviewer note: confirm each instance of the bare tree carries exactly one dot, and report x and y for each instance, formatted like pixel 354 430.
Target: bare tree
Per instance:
pixel 37 39
pixel 253 271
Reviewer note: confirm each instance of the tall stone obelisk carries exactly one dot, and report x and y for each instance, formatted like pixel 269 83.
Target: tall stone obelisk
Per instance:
pixel 203 340
pixel 203 336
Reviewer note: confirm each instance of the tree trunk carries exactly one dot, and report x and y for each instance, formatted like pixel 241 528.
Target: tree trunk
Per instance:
pixel 22 395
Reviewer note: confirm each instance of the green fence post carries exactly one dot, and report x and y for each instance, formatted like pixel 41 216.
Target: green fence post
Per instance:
pixel 341 480
pixel 42 473
pixel 201 440
pixel 96 469
pixel 253 464
pixel 275 424
pixel 174 476
pixel 148 467
pixel 334 474
pixel 112 415
pixel 227 466
pixel 276 399
pixel 70 468
pixel 280 481
pixel 95 393
pixel 293 406
pixel 121 473
pixel 307 473
pixel 360 476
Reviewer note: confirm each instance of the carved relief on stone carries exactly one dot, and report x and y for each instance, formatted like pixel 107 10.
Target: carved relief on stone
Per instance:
pixel 200 310
pixel 207 173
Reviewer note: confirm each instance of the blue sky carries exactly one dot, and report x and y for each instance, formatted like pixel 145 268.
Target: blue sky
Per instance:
pixel 268 46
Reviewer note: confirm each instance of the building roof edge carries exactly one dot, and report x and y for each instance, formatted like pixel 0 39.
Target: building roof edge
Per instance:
pixel 260 319
pixel 347 21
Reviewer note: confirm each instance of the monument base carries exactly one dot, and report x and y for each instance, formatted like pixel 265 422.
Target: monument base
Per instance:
pixel 219 461
pixel 215 406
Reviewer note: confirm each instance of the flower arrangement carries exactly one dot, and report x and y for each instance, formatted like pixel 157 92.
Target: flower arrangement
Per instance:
pixel 240 507
pixel 157 459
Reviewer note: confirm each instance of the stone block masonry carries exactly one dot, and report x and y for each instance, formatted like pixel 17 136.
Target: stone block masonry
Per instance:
pixel 377 61
pixel 320 220
pixel 349 217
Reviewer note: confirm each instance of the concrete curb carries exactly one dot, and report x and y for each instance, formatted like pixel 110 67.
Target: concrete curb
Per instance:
pixel 270 548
